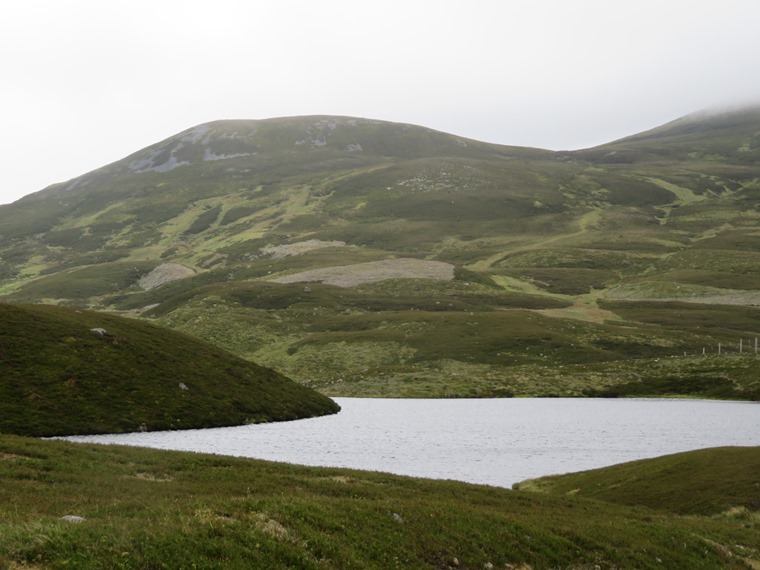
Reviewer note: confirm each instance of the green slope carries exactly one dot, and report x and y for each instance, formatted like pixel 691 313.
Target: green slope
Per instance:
pixel 588 246
pixel 713 135
pixel 705 482
pixel 145 508
pixel 58 376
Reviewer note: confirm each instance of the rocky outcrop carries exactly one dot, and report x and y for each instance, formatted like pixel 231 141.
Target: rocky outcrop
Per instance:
pixel 373 272
pixel 163 274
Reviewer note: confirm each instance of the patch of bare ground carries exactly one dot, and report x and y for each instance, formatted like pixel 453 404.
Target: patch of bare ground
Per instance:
pixel 582 311
pixel 151 477
pixel 373 272
pixel 299 248
pixel 730 297
pixel 11 457
pixel 163 274
pixel 270 526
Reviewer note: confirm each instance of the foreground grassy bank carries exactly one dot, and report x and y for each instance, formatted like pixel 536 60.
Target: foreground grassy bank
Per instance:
pixel 705 482
pixel 66 372
pixel 155 509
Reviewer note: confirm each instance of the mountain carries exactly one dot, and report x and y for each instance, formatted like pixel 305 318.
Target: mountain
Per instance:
pixel 371 258
pixel 715 135
pixel 67 372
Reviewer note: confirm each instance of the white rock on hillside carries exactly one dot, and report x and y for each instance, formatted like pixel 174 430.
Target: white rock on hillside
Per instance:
pixel 373 272
pixel 163 274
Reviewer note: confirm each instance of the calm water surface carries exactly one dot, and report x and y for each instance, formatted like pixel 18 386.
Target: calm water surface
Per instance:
pixel 496 441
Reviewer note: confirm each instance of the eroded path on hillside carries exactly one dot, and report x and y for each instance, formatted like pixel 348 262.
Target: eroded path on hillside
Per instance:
pixel 587 221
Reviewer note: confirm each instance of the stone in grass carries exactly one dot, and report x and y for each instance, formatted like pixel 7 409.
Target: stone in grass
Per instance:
pixel 73 519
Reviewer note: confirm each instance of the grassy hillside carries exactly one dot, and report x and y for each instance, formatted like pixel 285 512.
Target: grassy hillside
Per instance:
pixel 372 258
pixel 468 340
pixel 145 508
pixel 709 482
pixel 712 135
pixel 65 372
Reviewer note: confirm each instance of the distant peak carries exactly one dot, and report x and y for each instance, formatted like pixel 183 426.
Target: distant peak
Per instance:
pixel 722 111
pixel 341 135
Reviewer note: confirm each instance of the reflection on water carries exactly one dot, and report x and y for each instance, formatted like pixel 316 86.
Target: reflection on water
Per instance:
pixel 496 441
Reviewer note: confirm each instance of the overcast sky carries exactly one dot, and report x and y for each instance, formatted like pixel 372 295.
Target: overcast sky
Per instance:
pixel 87 82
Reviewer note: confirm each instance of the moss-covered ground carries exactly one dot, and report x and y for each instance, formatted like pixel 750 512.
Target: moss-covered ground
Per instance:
pixel 145 508
pixel 66 371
